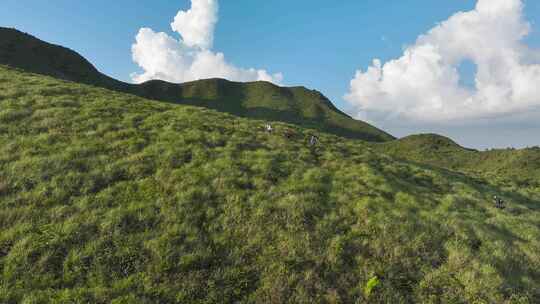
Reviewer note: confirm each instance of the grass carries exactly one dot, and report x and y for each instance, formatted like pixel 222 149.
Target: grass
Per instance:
pixel 111 198
pixel 261 100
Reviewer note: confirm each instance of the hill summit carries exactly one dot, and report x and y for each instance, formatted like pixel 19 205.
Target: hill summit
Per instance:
pixel 262 100
pixel 520 167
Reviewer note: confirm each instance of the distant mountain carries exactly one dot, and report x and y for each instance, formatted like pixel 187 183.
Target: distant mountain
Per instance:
pixel 261 100
pixel 517 166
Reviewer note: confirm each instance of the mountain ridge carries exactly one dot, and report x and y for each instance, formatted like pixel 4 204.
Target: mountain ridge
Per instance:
pixel 261 100
pixel 266 101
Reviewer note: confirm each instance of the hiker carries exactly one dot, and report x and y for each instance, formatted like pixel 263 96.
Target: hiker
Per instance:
pixel 499 203
pixel 313 140
pixel 268 128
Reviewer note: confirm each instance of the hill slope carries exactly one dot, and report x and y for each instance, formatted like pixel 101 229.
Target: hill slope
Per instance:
pixel 507 166
pixel 106 197
pixel 262 100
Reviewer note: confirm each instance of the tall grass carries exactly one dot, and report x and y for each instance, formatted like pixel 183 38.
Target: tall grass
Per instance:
pixel 109 198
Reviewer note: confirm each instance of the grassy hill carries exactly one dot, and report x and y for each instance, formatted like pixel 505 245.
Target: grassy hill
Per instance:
pixel 110 198
pixel 263 100
pixel 506 166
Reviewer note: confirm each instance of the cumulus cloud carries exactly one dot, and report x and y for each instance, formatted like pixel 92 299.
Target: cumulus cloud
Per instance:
pixel 424 84
pixel 197 24
pixel 191 57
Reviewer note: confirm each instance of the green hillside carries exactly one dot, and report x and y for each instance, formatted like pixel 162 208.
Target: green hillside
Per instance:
pixel 506 166
pixel 110 198
pixel 264 100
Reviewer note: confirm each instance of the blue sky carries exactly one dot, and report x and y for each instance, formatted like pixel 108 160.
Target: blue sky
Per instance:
pixel 314 43
pixel 318 44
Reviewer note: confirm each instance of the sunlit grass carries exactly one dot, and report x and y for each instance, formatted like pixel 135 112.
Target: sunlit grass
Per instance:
pixel 106 197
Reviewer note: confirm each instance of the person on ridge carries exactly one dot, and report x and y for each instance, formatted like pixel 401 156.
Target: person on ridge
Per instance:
pixel 499 203
pixel 313 140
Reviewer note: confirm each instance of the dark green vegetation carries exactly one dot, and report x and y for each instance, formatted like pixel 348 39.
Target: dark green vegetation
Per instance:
pixel 263 100
pixel 506 166
pixel 110 198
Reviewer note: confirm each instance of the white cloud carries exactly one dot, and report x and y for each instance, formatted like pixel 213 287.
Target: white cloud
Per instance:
pixel 424 84
pixel 197 24
pixel 191 57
